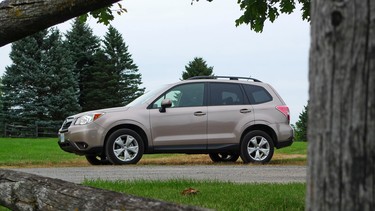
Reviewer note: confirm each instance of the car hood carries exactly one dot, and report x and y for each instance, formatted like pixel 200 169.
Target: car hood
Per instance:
pixel 107 110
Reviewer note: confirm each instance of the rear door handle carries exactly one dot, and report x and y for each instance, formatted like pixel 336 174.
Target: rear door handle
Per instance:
pixel 245 110
pixel 199 113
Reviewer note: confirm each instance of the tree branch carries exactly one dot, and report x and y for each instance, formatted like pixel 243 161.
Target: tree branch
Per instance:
pixel 20 18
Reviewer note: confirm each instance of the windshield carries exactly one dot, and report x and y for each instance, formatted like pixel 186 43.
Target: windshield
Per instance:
pixel 145 97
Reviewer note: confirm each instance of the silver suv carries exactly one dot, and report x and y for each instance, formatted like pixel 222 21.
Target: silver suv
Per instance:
pixel 224 117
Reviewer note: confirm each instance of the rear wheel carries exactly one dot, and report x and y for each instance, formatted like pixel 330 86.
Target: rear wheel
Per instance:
pixel 257 147
pixel 224 157
pixel 97 160
pixel 124 146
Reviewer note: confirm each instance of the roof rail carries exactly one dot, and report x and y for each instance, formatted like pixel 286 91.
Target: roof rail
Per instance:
pixel 229 77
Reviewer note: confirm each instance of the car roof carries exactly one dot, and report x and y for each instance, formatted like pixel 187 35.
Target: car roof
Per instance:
pixel 224 77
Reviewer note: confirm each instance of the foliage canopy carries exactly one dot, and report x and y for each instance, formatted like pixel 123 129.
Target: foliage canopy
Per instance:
pixel 255 12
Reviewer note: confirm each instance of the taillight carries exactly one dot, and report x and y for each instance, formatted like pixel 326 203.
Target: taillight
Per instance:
pixel 285 110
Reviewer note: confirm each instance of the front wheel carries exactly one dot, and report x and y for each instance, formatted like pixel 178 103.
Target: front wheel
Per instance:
pixel 224 157
pixel 257 147
pixel 124 146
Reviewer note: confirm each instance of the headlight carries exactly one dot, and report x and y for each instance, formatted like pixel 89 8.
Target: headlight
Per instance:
pixel 88 118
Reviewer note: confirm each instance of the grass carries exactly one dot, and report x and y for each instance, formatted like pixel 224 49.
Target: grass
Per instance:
pixel 213 194
pixel 23 152
pixel 45 152
pixel 296 148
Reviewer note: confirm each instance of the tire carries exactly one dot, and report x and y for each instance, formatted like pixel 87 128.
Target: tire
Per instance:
pixel 257 147
pixel 224 157
pixel 97 160
pixel 124 146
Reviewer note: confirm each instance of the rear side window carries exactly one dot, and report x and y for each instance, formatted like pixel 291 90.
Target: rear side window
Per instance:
pixel 257 94
pixel 226 94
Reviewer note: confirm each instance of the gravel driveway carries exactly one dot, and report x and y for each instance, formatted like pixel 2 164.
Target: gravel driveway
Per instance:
pixel 240 174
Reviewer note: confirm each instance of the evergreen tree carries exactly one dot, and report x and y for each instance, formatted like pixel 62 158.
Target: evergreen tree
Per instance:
pixel 1 108
pixel 125 71
pixel 83 45
pixel 101 84
pixel 38 86
pixel 300 129
pixel 62 91
pixel 197 67
pixel 20 80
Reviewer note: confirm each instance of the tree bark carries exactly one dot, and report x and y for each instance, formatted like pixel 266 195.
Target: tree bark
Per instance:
pixel 22 191
pixel 341 126
pixel 20 18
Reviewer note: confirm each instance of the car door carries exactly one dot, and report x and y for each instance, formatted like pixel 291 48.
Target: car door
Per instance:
pixel 183 126
pixel 228 112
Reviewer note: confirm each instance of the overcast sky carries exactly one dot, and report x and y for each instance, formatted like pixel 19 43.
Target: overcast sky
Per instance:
pixel 163 36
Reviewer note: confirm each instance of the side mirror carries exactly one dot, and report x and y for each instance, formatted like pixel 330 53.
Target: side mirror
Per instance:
pixel 166 103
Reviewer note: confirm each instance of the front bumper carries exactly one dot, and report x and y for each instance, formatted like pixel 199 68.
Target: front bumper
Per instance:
pixel 82 139
pixel 72 147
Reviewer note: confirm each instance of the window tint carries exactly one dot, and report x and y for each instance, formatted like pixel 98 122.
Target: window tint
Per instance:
pixel 226 94
pixel 257 94
pixel 185 95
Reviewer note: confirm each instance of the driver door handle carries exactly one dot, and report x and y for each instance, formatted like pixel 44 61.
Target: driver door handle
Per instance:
pixel 199 113
pixel 245 110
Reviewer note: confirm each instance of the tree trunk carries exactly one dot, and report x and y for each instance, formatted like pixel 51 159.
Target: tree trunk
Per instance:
pixel 20 18
pixel 22 191
pixel 341 126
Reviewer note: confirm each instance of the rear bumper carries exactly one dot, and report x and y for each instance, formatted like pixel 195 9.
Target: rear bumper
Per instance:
pixel 286 143
pixel 284 135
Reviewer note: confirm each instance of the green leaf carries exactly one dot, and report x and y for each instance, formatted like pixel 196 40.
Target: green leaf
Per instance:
pixel 256 12
pixel 104 15
pixel 272 13
pixel 83 18
pixel 287 6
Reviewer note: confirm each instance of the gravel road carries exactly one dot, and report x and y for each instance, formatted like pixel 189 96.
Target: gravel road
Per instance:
pixel 239 174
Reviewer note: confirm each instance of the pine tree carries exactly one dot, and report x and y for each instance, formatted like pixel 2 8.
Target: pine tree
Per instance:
pixel 21 78
pixel 301 126
pixel 197 67
pixel 83 45
pixel 1 108
pixel 101 84
pixel 39 86
pixel 62 92
pixel 125 70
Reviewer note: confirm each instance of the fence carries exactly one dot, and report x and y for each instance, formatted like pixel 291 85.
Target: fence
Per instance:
pixel 30 131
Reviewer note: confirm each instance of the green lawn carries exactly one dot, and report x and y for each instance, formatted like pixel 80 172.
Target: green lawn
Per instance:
pixel 214 194
pixel 42 151
pixel 296 148
pixel 22 152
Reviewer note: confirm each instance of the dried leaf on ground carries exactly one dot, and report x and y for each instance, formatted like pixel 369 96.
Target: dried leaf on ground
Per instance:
pixel 189 191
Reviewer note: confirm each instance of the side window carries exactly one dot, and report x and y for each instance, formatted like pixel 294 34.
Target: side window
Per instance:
pixel 185 95
pixel 257 94
pixel 226 94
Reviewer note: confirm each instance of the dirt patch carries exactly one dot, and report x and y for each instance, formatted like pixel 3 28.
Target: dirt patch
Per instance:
pixel 287 156
pixel 200 159
pixel 177 160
